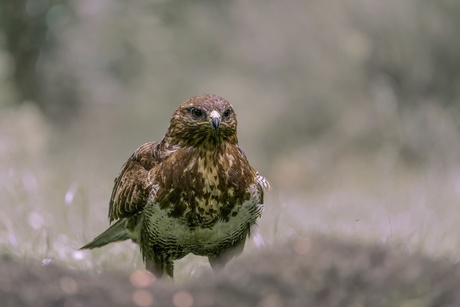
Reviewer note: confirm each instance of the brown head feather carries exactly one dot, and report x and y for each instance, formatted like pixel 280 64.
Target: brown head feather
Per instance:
pixel 186 130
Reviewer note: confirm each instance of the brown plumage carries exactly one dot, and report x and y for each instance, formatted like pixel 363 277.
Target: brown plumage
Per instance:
pixel 192 192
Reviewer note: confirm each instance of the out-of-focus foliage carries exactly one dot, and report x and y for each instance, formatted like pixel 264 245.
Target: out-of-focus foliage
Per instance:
pixel 360 71
pixel 31 38
pixel 353 103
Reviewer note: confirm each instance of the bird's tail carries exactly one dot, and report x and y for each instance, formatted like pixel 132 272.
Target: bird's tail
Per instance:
pixel 116 232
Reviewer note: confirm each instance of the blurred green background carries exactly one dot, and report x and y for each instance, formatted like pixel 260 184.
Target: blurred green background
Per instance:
pixel 350 108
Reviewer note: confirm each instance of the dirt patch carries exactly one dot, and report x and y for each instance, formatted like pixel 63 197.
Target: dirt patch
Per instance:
pixel 313 271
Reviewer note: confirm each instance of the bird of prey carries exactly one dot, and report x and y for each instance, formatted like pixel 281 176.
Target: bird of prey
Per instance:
pixel 192 192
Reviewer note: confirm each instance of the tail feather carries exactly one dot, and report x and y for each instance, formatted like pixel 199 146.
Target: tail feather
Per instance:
pixel 116 232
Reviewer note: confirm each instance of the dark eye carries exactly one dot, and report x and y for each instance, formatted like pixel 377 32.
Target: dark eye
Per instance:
pixel 196 113
pixel 227 113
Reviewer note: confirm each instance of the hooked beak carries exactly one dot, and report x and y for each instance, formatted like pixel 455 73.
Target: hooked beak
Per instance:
pixel 215 120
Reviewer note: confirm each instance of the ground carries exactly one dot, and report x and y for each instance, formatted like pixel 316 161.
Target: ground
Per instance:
pixel 308 271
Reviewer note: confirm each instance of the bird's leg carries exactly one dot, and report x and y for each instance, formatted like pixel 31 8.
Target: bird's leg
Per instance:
pixel 159 269
pixel 169 268
pixel 218 262
pixel 154 268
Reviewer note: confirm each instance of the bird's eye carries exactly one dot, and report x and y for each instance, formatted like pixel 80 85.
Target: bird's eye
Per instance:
pixel 196 113
pixel 226 113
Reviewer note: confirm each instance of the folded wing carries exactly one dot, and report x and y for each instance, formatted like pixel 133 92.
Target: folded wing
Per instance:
pixel 133 185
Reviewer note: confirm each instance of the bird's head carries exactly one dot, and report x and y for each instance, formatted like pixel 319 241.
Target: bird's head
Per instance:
pixel 205 120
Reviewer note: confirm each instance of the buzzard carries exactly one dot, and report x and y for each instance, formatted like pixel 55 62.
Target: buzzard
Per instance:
pixel 192 192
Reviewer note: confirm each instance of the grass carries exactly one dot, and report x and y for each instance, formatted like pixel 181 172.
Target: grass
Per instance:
pixel 414 212
pixel 52 202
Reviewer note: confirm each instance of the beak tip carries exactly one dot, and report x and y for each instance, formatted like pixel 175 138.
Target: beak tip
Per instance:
pixel 215 123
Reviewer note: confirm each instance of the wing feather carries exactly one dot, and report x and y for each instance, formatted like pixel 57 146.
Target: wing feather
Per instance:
pixel 133 186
